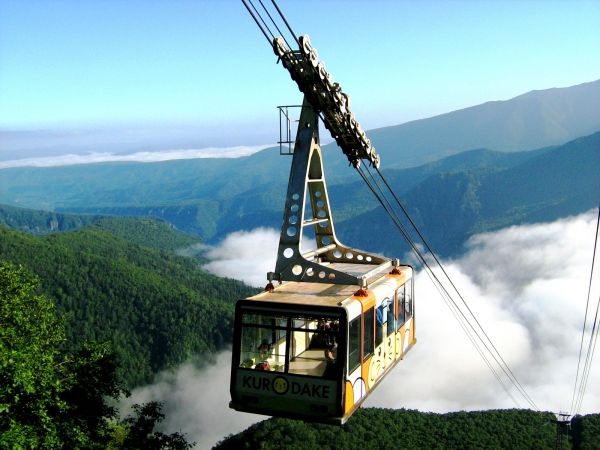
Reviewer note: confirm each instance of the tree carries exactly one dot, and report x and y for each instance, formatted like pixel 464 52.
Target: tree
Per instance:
pixel 30 390
pixel 49 401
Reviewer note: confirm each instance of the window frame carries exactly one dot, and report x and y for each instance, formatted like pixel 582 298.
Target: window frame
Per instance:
pixel 352 367
pixel 368 345
pixel 288 331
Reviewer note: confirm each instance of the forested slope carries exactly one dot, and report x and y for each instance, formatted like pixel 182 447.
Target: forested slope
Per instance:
pixel 43 222
pixel 157 309
pixel 449 207
pixel 152 233
pixel 374 428
pixel 212 212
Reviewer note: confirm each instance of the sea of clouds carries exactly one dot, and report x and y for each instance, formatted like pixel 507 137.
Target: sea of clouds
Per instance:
pixel 142 156
pixel 527 286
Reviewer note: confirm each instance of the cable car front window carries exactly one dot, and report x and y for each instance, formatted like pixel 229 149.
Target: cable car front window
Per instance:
pixel 311 336
pixel 263 342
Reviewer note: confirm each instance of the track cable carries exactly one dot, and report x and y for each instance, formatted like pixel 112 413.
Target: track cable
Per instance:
pixel 578 397
pixel 465 322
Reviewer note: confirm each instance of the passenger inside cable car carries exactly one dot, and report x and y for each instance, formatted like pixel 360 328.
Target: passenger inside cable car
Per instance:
pixel 264 343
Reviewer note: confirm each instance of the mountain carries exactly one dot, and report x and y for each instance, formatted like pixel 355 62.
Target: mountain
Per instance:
pixel 156 309
pixel 534 120
pixel 474 191
pixel 151 233
pixel 449 207
pixel 43 222
pixel 261 205
pixel 408 429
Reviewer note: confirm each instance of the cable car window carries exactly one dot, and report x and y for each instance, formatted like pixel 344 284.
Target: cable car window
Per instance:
pixel 391 315
pixel 368 348
pixel 312 339
pixel 401 307
pixel 263 348
pixel 354 345
pixel 269 320
pixel 381 316
pixel 409 301
pixel 264 319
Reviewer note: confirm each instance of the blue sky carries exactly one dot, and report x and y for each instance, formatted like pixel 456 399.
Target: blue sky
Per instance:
pixel 201 72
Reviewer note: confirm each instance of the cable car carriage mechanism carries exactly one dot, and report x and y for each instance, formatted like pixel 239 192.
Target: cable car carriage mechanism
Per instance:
pixel 317 342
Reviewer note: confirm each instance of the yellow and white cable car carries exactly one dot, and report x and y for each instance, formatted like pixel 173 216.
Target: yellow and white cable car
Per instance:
pixel 314 347
pixel 285 339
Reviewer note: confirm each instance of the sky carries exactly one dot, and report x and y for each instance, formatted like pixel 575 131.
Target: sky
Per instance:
pixel 527 286
pixel 130 76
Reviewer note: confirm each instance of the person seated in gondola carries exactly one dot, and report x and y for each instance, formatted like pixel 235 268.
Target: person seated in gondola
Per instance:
pixel 335 326
pixel 331 367
pixel 323 337
pixel 264 350
pixel 263 366
pixel 401 314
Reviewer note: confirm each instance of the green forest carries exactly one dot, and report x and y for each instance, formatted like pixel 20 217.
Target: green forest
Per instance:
pixel 490 189
pixel 376 428
pixel 155 308
pixel 52 399
pixel 117 305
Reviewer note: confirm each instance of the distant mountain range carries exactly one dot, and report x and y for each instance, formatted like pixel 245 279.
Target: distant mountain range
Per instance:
pixel 450 206
pixel 450 199
pixel 213 197
pixel 533 120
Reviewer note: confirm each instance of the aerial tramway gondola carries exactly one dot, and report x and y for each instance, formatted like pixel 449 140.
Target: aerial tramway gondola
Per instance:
pixel 316 343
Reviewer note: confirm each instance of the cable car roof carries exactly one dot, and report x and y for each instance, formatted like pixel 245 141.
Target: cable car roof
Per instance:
pixel 321 294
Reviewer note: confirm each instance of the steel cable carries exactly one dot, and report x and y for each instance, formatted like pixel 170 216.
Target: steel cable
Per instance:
pixel 456 311
pixel 578 398
pixel 512 377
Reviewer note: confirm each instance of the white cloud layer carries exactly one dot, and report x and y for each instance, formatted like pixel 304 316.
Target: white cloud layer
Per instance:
pixel 196 401
pixel 154 156
pixel 527 285
pixel 248 255
pixel 245 256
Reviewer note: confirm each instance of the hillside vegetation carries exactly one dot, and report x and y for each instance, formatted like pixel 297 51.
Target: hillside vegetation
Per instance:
pixel 450 199
pixel 43 222
pixel 55 400
pixel 156 309
pixel 375 428
pixel 449 207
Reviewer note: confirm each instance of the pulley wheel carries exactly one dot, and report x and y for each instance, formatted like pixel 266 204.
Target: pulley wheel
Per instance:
pixel 314 57
pixel 305 44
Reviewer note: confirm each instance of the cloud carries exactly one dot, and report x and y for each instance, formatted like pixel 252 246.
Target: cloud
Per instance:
pixel 146 156
pixel 195 401
pixel 527 285
pixel 247 255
